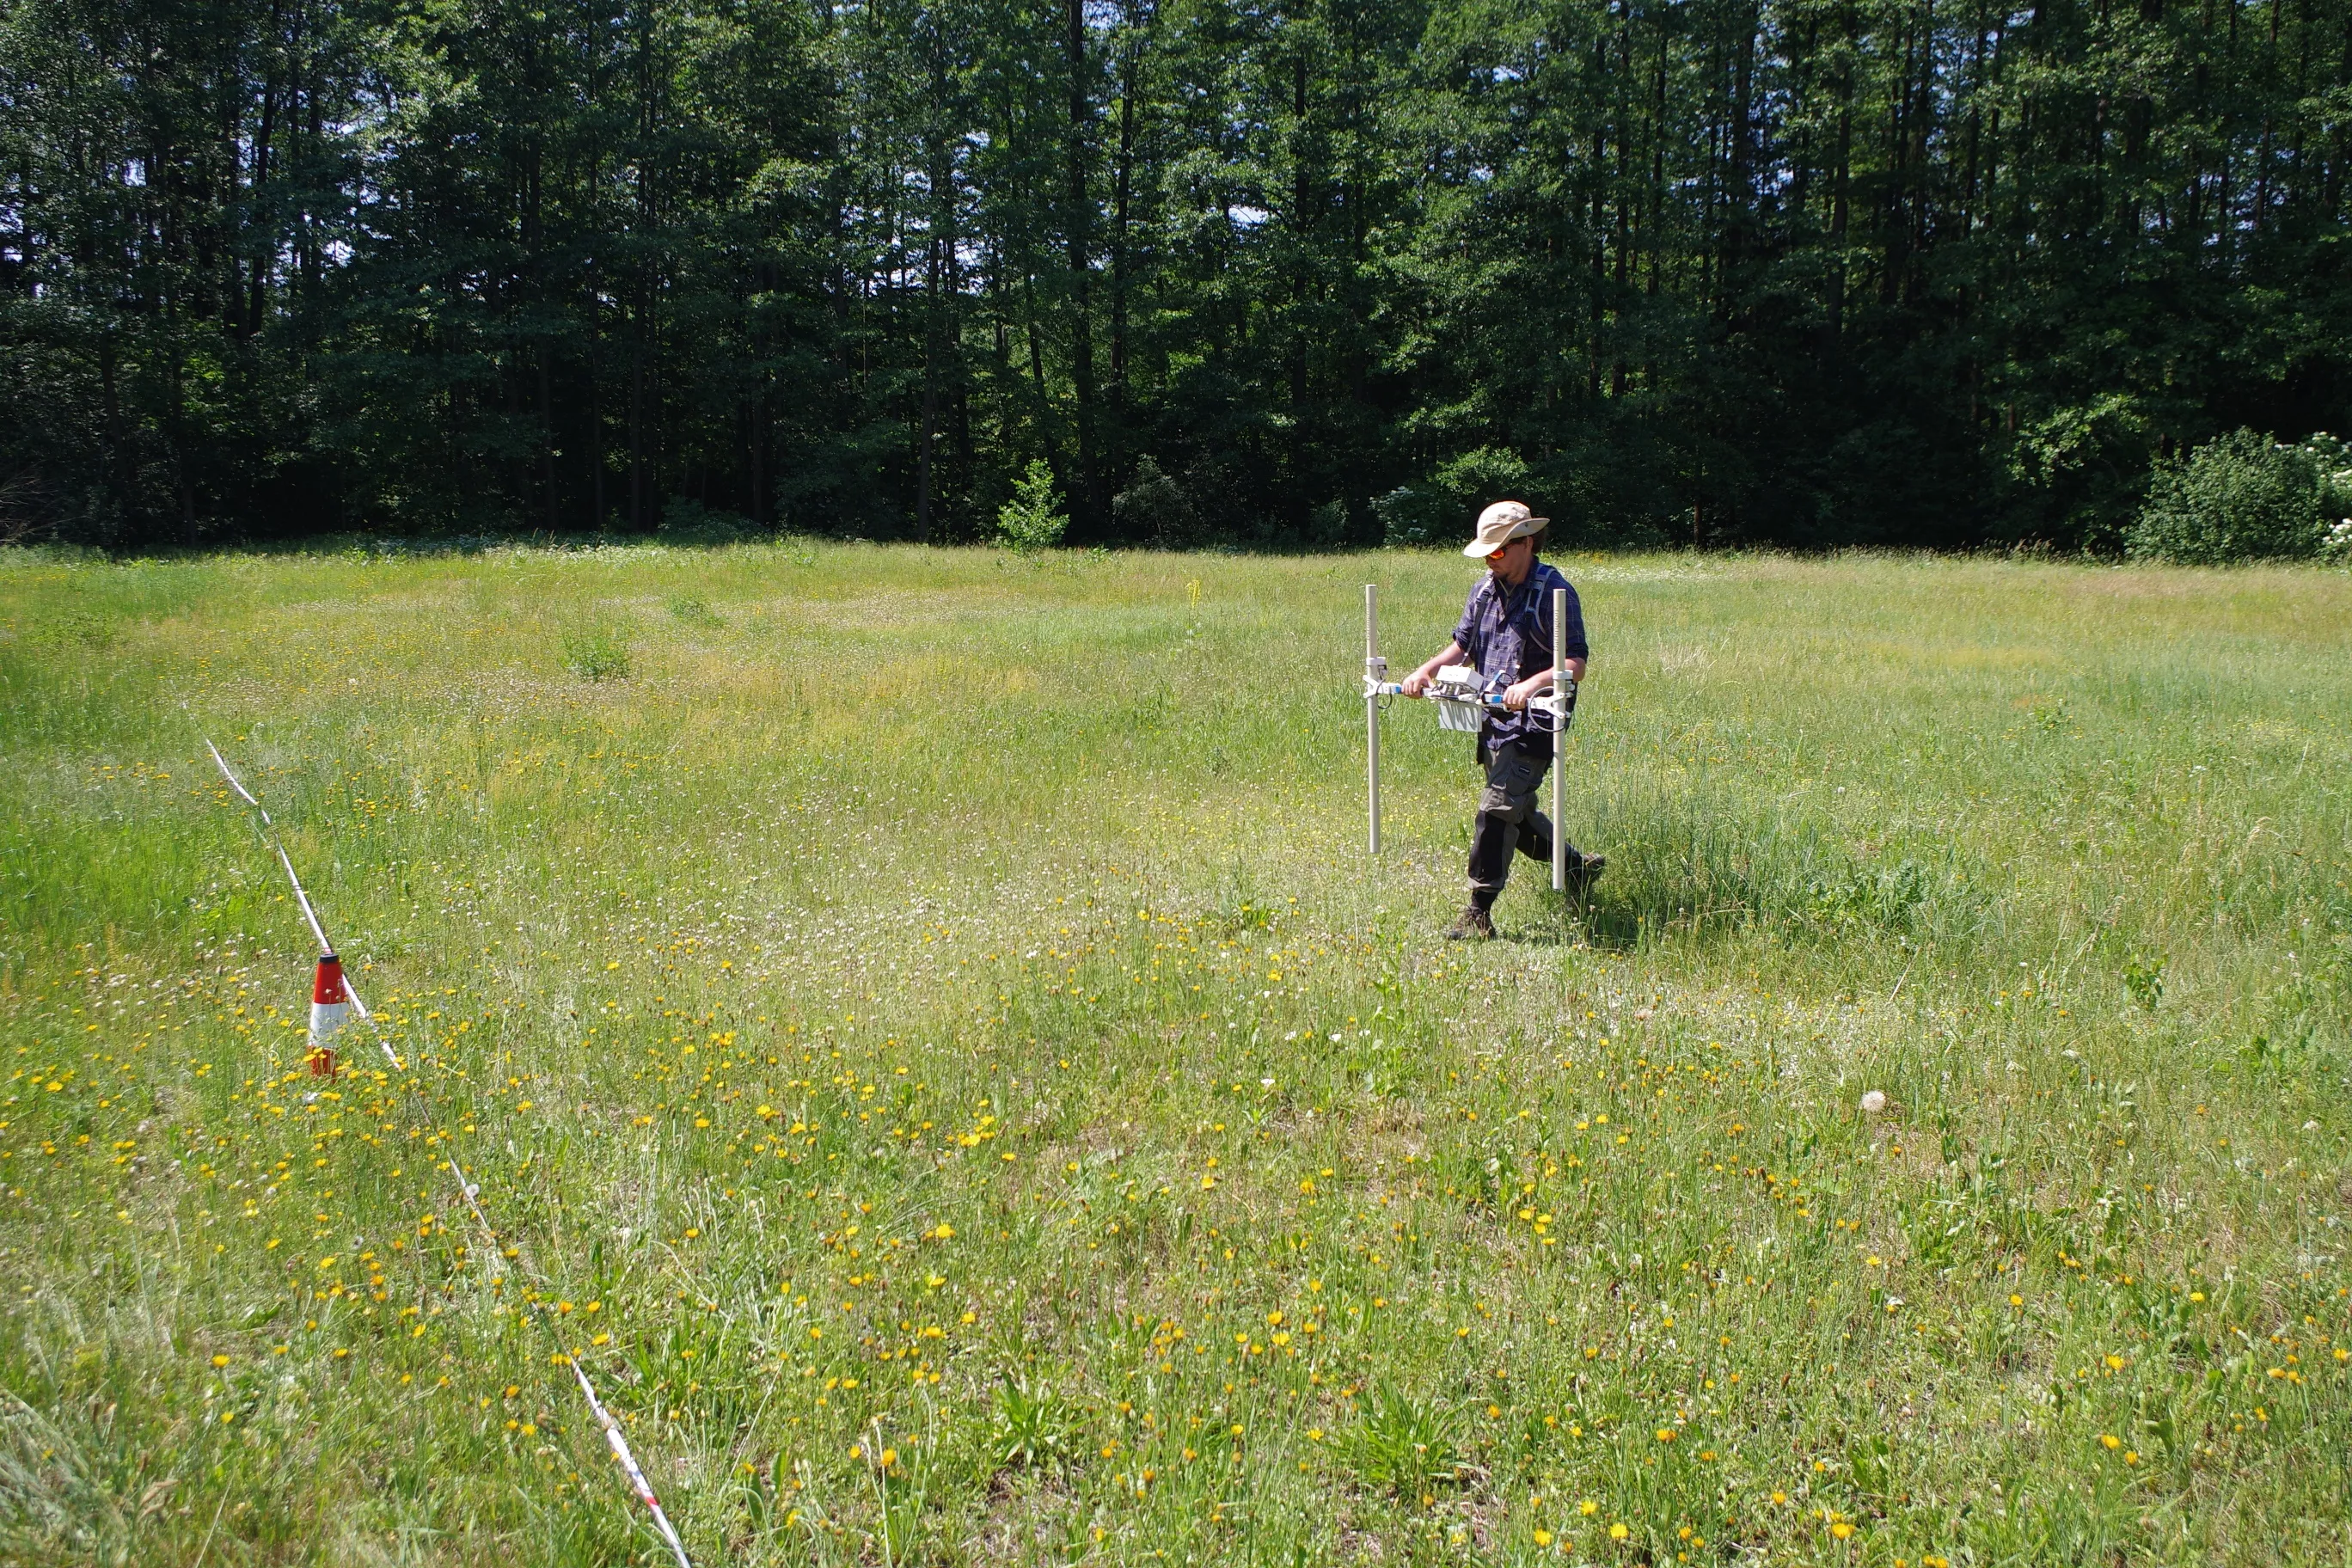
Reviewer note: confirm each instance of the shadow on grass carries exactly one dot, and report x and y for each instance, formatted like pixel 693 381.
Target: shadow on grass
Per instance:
pixel 1683 870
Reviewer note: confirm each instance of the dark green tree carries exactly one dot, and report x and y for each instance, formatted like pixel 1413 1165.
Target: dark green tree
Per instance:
pixel 1281 272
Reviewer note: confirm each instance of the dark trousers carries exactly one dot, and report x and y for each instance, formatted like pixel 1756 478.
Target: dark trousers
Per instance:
pixel 1508 818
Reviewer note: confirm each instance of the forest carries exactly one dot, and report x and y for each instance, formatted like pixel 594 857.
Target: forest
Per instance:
pixel 1280 274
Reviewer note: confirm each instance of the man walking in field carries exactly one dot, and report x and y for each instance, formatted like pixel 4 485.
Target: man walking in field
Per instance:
pixel 1507 633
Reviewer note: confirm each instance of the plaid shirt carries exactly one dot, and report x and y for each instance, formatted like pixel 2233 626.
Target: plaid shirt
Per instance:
pixel 1506 632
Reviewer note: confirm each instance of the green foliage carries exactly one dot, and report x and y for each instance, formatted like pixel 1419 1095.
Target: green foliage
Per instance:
pixel 596 654
pixel 1326 525
pixel 77 626
pixel 2241 497
pixel 430 270
pixel 1032 1427
pixel 693 612
pixel 2144 981
pixel 688 521
pixel 1443 508
pixel 1154 508
pixel 1031 521
pixel 2332 455
pixel 1411 518
pixel 1403 1445
pixel 2084 462
pixel 1885 897
pixel 1483 475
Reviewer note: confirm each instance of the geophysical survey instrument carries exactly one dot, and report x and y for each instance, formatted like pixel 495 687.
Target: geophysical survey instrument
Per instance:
pixel 1464 699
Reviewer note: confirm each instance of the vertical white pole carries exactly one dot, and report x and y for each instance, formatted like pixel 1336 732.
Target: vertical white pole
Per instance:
pixel 1559 745
pixel 1372 715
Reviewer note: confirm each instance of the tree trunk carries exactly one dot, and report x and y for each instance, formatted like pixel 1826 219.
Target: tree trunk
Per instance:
pixel 1122 185
pixel 1082 489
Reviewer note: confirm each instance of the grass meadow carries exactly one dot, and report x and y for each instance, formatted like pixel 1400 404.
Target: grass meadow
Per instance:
pixel 936 1049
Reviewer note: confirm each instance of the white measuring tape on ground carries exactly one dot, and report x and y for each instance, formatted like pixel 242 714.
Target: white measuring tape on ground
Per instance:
pixel 326 1019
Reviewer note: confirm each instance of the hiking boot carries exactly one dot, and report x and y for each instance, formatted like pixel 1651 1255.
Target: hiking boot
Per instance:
pixel 1472 924
pixel 1583 870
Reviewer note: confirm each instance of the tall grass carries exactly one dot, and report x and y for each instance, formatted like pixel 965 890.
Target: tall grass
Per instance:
pixel 939 1054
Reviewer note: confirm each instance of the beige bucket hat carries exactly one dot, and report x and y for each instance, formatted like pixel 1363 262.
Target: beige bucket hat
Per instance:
pixel 1501 523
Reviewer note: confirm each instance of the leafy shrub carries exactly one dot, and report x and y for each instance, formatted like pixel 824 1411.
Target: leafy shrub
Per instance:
pixel 685 521
pixel 1411 517
pixel 1029 521
pixel 693 612
pixel 1446 505
pixel 2333 454
pixel 1326 525
pixel 1154 506
pixel 2336 545
pixel 1483 474
pixel 2241 497
pixel 598 653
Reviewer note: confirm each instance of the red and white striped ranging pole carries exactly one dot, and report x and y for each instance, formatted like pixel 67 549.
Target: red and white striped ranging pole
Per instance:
pixel 629 1466
pixel 331 997
pixel 329 1006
